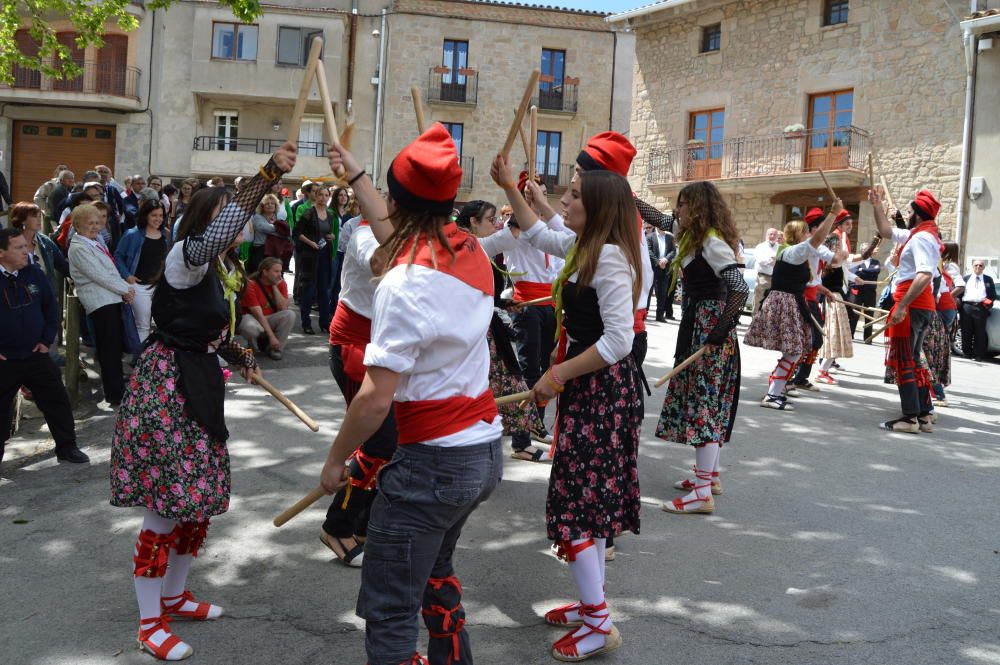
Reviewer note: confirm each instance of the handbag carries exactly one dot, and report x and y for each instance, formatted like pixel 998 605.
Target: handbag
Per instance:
pixel 130 334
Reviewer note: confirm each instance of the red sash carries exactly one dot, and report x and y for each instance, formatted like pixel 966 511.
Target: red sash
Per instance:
pixel 525 291
pixel 947 300
pixel 639 322
pixel 811 294
pixel 924 301
pixel 470 263
pixel 424 420
pixel 351 332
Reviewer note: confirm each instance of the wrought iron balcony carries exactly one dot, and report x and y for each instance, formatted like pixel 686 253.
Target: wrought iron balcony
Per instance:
pixel 453 87
pixel 755 156
pixel 262 146
pixel 101 78
pixel 557 96
pixel 557 182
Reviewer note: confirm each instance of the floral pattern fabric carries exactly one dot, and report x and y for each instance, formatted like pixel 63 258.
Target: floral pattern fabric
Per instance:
pixel 701 401
pixel 516 418
pixel 594 484
pixel 161 458
pixel 936 355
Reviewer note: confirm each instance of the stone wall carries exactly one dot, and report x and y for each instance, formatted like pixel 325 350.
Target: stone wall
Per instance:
pixel 903 59
pixel 505 44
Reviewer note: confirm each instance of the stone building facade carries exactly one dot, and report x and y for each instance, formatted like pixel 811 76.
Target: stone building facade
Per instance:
pixel 888 73
pixel 212 97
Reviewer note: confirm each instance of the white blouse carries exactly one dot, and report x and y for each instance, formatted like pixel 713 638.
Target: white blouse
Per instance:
pixel 612 281
pixel 358 291
pixel 921 254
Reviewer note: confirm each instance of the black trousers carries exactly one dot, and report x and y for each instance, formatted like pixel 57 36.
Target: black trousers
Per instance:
pixel 41 376
pixel 805 368
pixel 107 322
pixel 534 340
pixel 664 300
pixel 973 324
pixel 915 400
pixel 865 298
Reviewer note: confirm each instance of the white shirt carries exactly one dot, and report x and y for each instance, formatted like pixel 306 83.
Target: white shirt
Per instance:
pixel 804 251
pixel 661 245
pixel 430 328
pixel 764 254
pixel 975 289
pixel 520 257
pixel 716 253
pixel 358 290
pixel 821 253
pixel 921 254
pixel 612 281
pixel 4 271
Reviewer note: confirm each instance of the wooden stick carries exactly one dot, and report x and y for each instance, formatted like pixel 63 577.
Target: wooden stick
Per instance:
pixel 533 145
pixel 299 506
pixel 536 301
pixel 289 404
pixel 524 143
pixel 871 170
pixel 888 195
pixel 878 333
pixel 345 138
pixel 583 136
pixel 522 108
pixel 679 368
pixel 829 189
pixel 818 326
pixel 862 307
pixel 418 109
pixel 307 79
pixel 515 397
pixel 332 135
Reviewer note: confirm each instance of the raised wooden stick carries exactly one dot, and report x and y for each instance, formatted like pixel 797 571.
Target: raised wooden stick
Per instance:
pixel 307 79
pixel 533 145
pixel 536 301
pixel 583 136
pixel 679 368
pixel 289 404
pixel 332 135
pixel 522 108
pixel 345 138
pixel 418 109
pixel 829 189
pixel 888 194
pixel 871 170
pixel 524 143
pixel 515 397
pixel 299 506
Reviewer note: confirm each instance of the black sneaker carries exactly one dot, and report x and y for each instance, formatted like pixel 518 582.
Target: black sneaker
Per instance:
pixel 307 330
pixel 73 455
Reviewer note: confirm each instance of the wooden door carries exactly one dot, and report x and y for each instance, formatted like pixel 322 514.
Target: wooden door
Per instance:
pixel 40 146
pixel 829 140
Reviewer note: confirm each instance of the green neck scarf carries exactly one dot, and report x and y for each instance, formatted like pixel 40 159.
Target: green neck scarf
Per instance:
pixel 557 287
pixel 506 273
pixel 232 282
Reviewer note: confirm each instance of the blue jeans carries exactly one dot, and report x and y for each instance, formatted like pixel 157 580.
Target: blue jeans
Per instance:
pixel 317 292
pixel 425 495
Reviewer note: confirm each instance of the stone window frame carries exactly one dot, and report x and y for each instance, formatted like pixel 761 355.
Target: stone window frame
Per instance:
pixel 236 32
pixel 710 33
pixel 840 9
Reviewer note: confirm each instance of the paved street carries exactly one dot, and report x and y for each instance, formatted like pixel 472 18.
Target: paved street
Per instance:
pixel 834 542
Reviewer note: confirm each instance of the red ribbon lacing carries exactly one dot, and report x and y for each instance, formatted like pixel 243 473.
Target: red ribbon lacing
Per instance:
pixel 566 645
pixel 189 537
pixel 449 629
pixel 567 551
pixel 152 552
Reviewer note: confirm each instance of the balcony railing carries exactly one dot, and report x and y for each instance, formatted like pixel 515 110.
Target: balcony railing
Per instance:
pixel 557 182
pixel 102 78
pixel 554 96
pixel 468 173
pixel 260 146
pixel 754 156
pixel 453 87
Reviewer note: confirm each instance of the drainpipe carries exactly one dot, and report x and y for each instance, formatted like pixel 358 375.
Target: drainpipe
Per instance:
pixel 352 40
pixel 379 94
pixel 971 59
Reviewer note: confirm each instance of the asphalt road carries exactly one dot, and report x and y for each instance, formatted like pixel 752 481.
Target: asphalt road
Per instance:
pixel 834 542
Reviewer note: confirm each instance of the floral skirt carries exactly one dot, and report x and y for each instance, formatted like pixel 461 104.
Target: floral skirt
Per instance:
pixel 516 418
pixel 161 458
pixel 594 484
pixel 837 341
pixel 701 402
pixel 778 326
pixel 936 356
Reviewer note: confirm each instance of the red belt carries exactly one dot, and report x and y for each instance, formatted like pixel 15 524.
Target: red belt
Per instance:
pixel 811 293
pixel 525 291
pixel 924 301
pixel 946 302
pixel 424 420
pixel 639 322
pixel 351 332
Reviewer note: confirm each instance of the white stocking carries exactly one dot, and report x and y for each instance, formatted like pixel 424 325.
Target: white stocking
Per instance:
pixel 589 580
pixel 782 373
pixel 147 589
pixel 177 572
pixel 827 364
pixel 706 458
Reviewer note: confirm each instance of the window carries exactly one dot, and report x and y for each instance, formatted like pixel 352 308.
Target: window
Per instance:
pixel 78 132
pixel 835 11
pixel 547 158
pixel 455 56
pixel 706 132
pixel 550 86
pixel 234 41
pixel 293 45
pixel 711 38
pixel 457 130
pixel 226 127
pixel 830 129
pixel 311 136
pixel 102 134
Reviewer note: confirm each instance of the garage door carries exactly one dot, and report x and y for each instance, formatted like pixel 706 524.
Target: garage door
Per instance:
pixel 40 146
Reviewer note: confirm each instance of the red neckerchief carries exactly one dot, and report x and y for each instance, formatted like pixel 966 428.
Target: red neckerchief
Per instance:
pixel 470 263
pixel 929 227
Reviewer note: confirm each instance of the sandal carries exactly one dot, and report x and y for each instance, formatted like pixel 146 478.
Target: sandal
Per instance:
pixel 349 557
pixel 689 485
pixel 565 649
pixel 172 607
pixel 906 425
pixel 557 616
pixel 531 453
pixel 162 652
pixel 677 506
pixel 825 377
pixel 780 403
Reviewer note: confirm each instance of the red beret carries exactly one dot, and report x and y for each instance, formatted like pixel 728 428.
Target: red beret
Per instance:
pixel 842 215
pixel 425 175
pixel 522 181
pixel 609 151
pixel 814 217
pixel 926 206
